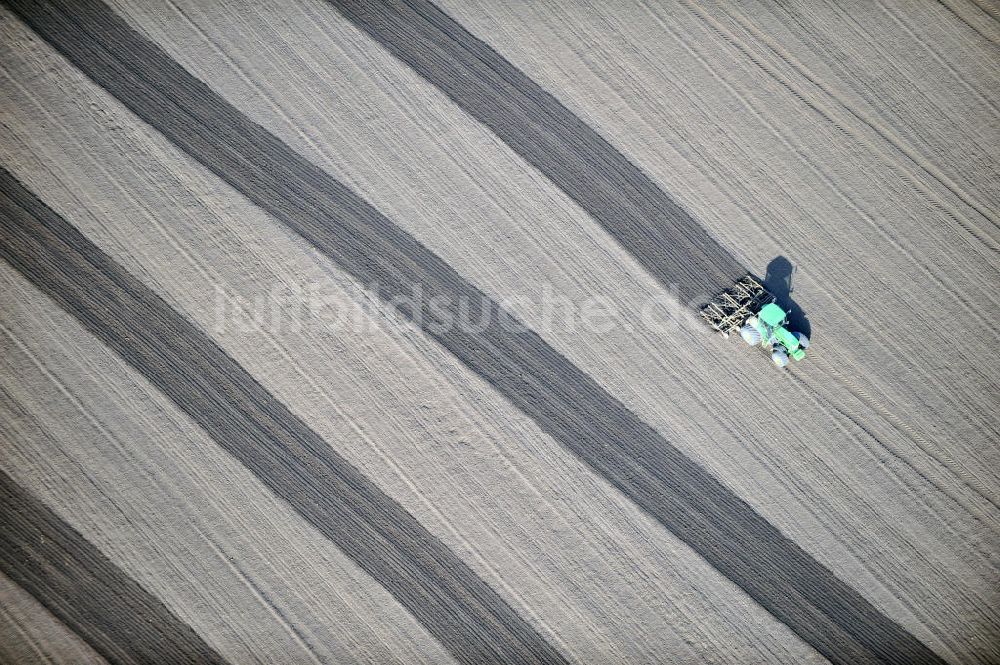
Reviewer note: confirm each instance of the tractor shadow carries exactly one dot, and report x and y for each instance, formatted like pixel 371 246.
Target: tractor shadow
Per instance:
pixel 778 281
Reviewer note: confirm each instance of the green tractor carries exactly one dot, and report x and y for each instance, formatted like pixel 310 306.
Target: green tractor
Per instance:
pixel 750 309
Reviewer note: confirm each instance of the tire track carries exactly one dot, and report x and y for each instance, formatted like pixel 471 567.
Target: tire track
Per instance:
pixel 878 138
pixel 957 469
pixel 564 401
pixel 986 38
pixel 457 607
pixel 889 137
pixel 118 618
pixel 938 58
pixel 470 92
pixel 81 472
pixel 666 240
pixel 10 618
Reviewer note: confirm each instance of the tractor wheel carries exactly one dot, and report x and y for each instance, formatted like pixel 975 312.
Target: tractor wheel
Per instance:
pixel 803 340
pixel 750 335
pixel 779 358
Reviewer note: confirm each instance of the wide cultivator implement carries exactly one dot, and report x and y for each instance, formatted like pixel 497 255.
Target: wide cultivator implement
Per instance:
pixel 749 308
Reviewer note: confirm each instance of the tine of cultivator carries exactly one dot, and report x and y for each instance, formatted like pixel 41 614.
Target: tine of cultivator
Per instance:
pixel 729 310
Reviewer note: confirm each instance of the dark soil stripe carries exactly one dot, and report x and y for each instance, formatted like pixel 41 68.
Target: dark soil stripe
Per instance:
pixel 122 621
pixel 563 400
pixel 443 593
pixel 666 240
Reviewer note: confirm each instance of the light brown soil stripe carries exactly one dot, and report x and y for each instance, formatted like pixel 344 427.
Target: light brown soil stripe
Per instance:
pixel 113 613
pixel 662 236
pixel 565 402
pixel 443 593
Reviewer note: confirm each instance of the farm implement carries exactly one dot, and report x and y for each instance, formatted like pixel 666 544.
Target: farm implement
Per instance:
pixel 750 309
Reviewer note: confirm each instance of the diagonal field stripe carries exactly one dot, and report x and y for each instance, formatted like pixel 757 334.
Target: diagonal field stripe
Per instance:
pixel 664 238
pixel 565 402
pixel 446 596
pixel 122 621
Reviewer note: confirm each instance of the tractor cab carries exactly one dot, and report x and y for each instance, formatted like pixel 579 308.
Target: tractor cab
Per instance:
pixel 768 329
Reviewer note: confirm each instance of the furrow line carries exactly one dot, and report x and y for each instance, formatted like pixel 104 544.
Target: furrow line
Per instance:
pixel 563 400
